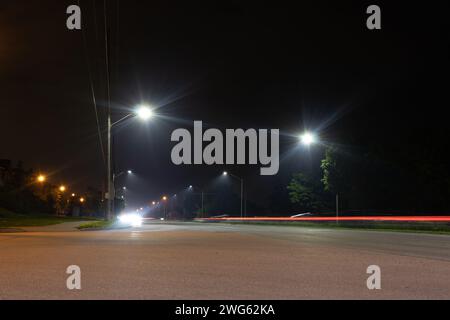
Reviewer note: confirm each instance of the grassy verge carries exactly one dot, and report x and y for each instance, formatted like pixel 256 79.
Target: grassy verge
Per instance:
pixel 9 219
pixel 103 224
pixel 418 227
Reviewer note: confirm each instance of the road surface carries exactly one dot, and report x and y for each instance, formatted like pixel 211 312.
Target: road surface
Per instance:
pixel 221 261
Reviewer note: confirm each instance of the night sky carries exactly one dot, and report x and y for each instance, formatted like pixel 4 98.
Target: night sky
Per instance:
pixel 312 66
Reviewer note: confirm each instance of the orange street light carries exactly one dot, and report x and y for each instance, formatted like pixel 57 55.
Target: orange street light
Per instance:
pixel 62 188
pixel 41 178
pixel 81 199
pixel 73 194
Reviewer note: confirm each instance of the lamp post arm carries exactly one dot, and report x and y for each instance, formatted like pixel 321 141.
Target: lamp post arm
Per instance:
pixel 236 177
pixel 122 119
pixel 118 175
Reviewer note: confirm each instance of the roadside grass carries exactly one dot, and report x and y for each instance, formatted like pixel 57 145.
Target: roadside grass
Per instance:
pixel 10 219
pixel 414 227
pixel 102 224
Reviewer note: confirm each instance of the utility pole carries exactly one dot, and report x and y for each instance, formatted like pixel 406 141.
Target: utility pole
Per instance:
pixel 242 196
pixel 202 194
pixel 337 208
pixel 203 208
pixel 110 188
pixel 165 210
pixel 245 204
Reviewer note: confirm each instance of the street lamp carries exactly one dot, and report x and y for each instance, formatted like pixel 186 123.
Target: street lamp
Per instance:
pixel 62 188
pixel 82 200
pixel 115 176
pixel 191 188
pixel 121 173
pixel 143 112
pixel 41 178
pixel 164 198
pixel 308 138
pixel 225 173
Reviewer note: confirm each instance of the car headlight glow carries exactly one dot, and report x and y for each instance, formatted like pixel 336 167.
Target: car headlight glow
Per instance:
pixel 132 219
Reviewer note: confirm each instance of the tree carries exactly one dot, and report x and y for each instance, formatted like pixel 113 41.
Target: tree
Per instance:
pixel 18 192
pixel 339 173
pixel 333 177
pixel 305 193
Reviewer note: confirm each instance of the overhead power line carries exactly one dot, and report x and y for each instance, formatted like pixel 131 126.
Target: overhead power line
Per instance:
pixel 92 89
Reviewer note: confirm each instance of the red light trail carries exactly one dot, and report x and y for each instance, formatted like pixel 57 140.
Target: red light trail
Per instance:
pixel 356 218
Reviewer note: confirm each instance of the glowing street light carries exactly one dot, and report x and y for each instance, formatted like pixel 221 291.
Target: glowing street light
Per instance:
pixel 41 178
pixel 308 138
pixel 225 173
pixel 82 199
pixel 202 193
pixel 164 198
pixel 144 112
pixel 121 173
pixel 73 194
pixel 153 202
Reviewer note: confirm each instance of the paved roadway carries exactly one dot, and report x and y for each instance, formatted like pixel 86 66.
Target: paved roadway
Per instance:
pixel 220 261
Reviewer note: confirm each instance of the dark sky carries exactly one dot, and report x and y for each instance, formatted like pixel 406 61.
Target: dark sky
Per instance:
pixel 232 65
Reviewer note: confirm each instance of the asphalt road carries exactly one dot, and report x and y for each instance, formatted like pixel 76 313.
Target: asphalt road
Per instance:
pixel 220 261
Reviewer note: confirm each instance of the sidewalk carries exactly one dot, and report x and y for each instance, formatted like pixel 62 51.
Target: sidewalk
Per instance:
pixel 60 227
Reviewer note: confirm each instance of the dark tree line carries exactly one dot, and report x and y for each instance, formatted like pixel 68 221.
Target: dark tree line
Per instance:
pixel 21 192
pixel 413 180
pixel 18 192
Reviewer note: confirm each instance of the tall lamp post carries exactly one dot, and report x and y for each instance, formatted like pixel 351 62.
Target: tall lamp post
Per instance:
pixel 115 176
pixel 144 113
pixel 202 193
pixel 225 173
pixel 308 138
pixel 164 199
